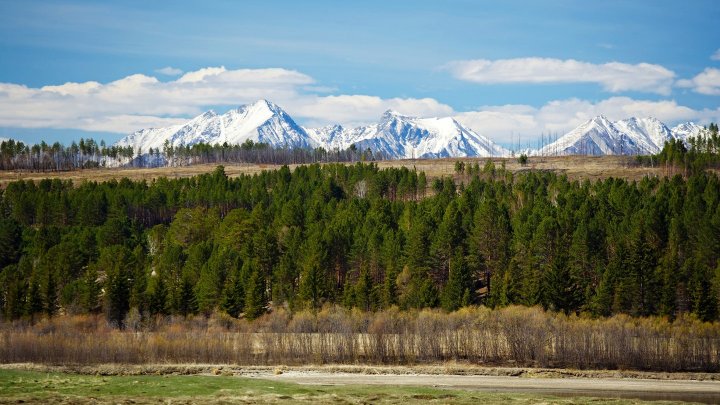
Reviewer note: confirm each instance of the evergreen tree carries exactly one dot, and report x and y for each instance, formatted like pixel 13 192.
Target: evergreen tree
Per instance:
pixel 233 295
pixel 187 301
pixel 255 303
pixel 115 262
pixel 35 301
pixel 157 295
pixel 51 295
pixel 457 291
pixel 313 284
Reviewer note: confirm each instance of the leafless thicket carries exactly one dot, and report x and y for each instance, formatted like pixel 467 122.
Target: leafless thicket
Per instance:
pixel 509 336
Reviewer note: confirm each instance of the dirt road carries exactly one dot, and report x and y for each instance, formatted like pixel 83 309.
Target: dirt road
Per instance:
pixel 673 390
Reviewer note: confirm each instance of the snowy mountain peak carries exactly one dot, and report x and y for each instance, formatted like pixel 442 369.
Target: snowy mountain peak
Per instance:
pixel 394 136
pixel 261 106
pixel 687 129
pixel 390 115
pixel 600 121
pixel 600 136
pixel 261 121
pixel 399 136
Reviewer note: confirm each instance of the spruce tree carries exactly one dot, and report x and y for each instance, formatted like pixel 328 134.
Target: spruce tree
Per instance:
pixel 233 295
pixel 255 303
pixel 457 291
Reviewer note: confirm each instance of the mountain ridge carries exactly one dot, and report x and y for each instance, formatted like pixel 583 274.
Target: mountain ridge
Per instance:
pixel 394 136
pixel 630 136
pixel 399 136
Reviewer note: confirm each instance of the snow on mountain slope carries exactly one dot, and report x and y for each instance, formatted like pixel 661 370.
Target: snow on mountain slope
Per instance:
pixel 331 137
pixel 261 121
pixel 394 136
pixel 600 136
pixel 597 136
pixel 687 129
pixel 399 136
pixel 649 133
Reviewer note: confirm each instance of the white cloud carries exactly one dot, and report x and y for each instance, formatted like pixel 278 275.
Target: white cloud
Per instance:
pixel 169 71
pixel 139 101
pixel 354 110
pixel 707 82
pixel 507 123
pixel 613 76
pixel 716 55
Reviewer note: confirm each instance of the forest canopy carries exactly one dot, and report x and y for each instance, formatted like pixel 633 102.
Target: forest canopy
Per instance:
pixel 362 237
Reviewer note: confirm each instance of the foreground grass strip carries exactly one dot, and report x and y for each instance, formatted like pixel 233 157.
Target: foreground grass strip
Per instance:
pixel 37 387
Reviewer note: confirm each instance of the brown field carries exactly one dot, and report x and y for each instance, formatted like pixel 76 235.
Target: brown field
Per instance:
pixel 512 336
pixel 575 167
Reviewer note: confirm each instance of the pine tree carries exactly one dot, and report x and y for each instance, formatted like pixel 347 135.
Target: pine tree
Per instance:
pixel 115 262
pixel 364 291
pixel 157 295
pixel 313 285
pixel 457 292
pixel 35 304
pixel 10 239
pixel 206 291
pixel 233 295
pixel 418 291
pixel 255 303
pixel 187 300
pixel 488 243
pixel 448 238
pixel 51 295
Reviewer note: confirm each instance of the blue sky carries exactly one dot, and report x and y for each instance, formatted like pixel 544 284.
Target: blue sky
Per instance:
pixel 507 69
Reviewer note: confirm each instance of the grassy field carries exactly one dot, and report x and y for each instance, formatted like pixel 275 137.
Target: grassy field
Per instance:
pixel 576 167
pixel 20 386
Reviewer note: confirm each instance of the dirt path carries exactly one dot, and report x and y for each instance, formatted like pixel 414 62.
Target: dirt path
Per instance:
pixel 674 390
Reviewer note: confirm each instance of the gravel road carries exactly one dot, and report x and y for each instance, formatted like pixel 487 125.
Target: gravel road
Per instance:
pixel 674 390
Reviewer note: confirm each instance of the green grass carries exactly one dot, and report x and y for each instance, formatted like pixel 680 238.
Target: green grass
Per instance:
pixel 37 387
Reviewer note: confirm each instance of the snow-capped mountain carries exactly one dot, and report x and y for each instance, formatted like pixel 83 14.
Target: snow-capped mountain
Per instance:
pixel 600 136
pixel 394 136
pixel 399 136
pixel 649 133
pixel 687 129
pixel 261 121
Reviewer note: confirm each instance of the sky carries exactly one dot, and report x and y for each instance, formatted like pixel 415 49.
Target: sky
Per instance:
pixel 511 70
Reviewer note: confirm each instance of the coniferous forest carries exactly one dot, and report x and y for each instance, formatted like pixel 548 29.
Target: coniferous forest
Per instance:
pixel 360 237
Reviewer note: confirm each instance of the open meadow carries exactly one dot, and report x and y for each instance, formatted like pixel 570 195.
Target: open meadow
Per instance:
pixel 575 167
pixel 224 385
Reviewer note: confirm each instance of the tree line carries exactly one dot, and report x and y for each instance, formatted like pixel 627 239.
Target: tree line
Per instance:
pixel 693 155
pixel 16 155
pixel 360 237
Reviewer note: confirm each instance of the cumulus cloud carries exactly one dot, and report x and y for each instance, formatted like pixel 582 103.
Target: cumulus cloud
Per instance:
pixel 140 101
pixel 613 76
pixel 169 71
pixel 707 82
pixel 354 110
pixel 510 123
pixel 716 55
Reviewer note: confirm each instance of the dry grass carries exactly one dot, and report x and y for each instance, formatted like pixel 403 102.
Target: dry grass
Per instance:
pixel 513 336
pixel 575 167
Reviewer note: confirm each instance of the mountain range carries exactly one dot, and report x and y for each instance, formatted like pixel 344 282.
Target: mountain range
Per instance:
pixel 632 136
pixel 396 136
